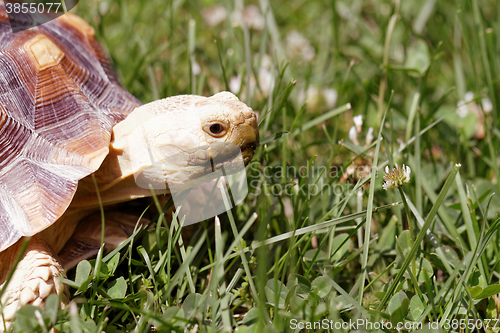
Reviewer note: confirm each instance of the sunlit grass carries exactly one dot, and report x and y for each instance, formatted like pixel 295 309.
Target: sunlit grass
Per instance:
pixel 291 251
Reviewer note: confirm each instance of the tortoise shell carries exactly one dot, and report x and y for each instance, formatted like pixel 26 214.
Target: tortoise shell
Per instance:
pixel 59 100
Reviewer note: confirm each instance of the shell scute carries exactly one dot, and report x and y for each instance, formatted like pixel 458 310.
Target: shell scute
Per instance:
pixel 34 192
pixel 79 24
pixel 13 138
pixel 3 14
pixel 16 88
pixel 59 100
pixel 44 52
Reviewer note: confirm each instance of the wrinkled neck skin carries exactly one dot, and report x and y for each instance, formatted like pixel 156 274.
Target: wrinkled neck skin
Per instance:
pixel 152 149
pixel 115 184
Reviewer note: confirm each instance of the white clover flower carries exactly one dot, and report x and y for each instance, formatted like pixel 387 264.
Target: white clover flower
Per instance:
pixel 353 136
pixel 214 15
pixel 103 8
pixel 287 207
pixel 313 98
pixel 369 137
pixel 469 96
pixel 266 81
pixel 396 177
pixel 487 105
pixel 317 98
pixel 299 46
pixel 330 96
pixel 196 68
pixel 358 122
pixel 266 61
pixel 235 84
pixel 253 18
pixel 462 109
pixel 236 18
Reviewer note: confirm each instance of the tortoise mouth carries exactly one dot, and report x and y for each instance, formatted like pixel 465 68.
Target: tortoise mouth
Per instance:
pixel 226 157
pixel 232 152
pixel 248 151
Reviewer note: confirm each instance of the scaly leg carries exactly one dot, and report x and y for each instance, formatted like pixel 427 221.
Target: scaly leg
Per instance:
pixel 34 279
pixel 86 240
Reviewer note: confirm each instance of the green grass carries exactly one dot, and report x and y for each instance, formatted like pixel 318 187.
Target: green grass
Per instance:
pixel 291 253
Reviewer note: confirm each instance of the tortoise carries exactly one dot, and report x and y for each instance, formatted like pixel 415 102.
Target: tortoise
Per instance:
pixel 66 125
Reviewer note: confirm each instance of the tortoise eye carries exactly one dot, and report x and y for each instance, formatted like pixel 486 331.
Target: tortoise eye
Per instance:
pixel 216 130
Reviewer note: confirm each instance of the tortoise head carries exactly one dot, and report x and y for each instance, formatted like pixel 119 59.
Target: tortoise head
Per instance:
pixel 230 126
pixel 182 140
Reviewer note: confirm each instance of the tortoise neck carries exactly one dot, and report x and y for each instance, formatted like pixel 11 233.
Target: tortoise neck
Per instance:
pixel 114 181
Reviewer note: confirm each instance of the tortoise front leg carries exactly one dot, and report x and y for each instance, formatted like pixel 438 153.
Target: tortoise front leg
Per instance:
pixel 34 279
pixel 86 240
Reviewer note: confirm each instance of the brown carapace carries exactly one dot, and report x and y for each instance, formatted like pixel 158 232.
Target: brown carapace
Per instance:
pixel 59 100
